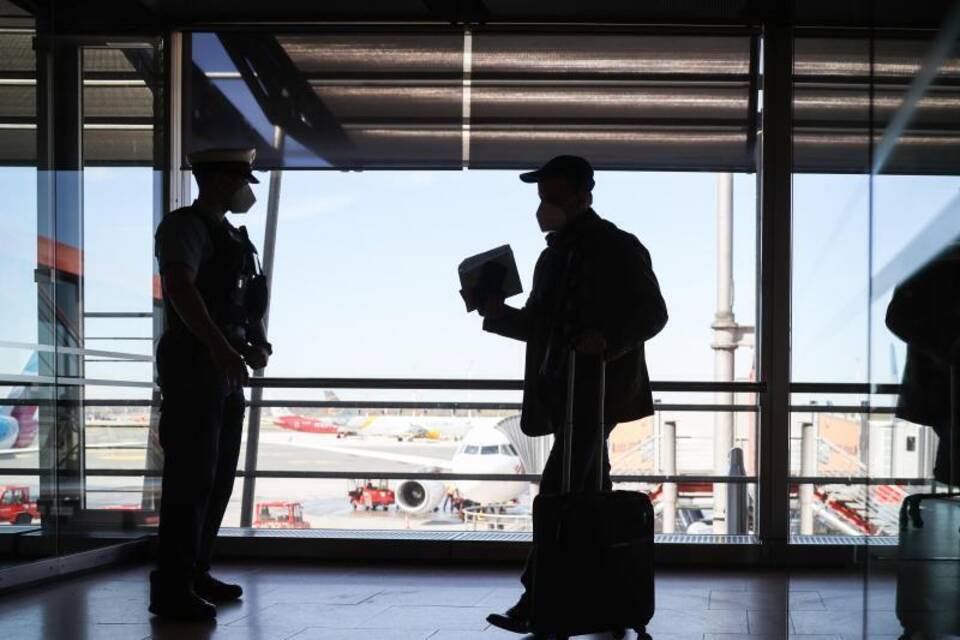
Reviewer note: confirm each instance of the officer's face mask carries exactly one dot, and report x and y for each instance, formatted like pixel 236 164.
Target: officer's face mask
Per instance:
pixel 242 199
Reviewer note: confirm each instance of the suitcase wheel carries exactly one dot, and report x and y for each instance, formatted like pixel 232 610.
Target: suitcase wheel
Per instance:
pixel 642 634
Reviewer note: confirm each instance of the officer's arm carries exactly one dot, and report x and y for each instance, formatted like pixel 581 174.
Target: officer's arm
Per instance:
pixel 182 293
pixel 257 335
pixel 258 353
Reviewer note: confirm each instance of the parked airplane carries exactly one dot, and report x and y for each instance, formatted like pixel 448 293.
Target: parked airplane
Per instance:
pixel 287 420
pixel 484 449
pixel 406 428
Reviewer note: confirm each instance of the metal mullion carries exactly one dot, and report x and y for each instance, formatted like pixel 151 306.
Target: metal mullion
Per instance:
pixel 256 393
pixel 383 384
pixel 851 388
pixel 774 230
pixel 860 480
pixel 857 409
pixel 442 28
pixel 453 406
pixel 481 385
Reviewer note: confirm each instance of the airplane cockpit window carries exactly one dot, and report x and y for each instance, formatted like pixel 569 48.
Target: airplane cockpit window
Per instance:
pixel 471 449
pixel 490 449
pixel 508 450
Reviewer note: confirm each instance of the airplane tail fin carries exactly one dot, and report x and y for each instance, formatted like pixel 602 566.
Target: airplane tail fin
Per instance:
pixel 25 415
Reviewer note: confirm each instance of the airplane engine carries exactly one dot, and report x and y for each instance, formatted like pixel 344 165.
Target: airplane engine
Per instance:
pixel 419 496
pixel 9 430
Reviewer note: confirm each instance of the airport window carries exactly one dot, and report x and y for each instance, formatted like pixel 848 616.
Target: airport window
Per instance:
pixel 369 207
pixel 399 315
pixel 852 245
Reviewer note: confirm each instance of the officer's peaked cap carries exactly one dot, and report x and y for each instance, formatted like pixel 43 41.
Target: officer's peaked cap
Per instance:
pixel 231 159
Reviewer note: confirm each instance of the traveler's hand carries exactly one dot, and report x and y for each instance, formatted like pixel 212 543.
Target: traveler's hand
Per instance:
pixel 492 307
pixel 590 342
pixel 256 356
pixel 231 365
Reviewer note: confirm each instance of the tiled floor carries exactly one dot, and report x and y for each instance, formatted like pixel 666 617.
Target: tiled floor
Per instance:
pixel 322 602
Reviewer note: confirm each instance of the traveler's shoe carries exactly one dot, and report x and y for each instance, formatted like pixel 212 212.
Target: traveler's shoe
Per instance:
pixel 215 591
pixel 515 619
pixel 176 600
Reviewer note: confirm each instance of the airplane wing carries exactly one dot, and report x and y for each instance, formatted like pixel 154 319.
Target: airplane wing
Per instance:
pixel 306 441
pixel 103 445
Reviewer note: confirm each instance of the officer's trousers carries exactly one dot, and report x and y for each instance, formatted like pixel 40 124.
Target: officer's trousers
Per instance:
pixel 201 422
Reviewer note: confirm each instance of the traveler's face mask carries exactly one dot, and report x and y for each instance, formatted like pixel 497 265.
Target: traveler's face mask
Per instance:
pixel 242 199
pixel 550 216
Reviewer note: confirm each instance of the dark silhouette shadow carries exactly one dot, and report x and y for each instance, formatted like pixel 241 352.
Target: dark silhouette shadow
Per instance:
pixel 925 313
pixel 593 304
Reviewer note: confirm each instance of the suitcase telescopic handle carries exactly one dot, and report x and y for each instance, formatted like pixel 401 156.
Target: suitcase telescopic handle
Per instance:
pixel 568 424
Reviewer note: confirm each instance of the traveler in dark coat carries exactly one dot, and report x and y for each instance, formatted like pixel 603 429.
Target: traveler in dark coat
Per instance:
pixel 594 290
pixel 925 313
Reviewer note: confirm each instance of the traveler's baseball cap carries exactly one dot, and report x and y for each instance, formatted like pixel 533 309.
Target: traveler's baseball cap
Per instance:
pixel 239 160
pixel 576 170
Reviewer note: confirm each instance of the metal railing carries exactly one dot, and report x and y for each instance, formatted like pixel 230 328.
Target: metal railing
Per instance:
pixel 411 384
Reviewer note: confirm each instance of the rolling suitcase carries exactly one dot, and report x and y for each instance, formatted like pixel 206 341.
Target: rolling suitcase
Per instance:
pixel 593 552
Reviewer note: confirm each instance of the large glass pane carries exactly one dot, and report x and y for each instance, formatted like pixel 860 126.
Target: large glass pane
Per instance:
pixel 365 287
pixel 116 213
pixel 25 400
pixel 829 426
pixel 913 291
pixel 364 281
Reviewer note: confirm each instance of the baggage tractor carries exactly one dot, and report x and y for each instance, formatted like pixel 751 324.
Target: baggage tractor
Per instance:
pixel 593 551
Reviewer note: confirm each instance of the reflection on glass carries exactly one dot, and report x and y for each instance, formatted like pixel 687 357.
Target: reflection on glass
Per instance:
pixel 913 284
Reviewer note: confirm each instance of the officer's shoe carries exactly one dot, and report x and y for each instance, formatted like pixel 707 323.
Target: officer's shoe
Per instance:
pixel 215 591
pixel 515 619
pixel 176 600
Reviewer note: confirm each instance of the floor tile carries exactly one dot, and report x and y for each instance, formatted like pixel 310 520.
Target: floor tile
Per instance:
pixel 685 622
pixel 765 600
pixel 428 617
pixel 313 633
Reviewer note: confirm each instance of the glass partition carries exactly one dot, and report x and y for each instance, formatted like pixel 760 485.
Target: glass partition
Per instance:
pixel 27 407
pixel 912 587
pixel 79 140
pixel 365 288
pixel 364 270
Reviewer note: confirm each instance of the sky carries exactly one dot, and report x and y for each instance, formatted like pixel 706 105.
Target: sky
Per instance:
pixel 365 279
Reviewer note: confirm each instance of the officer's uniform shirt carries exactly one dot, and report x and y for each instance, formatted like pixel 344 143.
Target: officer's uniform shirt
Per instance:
pixel 183 239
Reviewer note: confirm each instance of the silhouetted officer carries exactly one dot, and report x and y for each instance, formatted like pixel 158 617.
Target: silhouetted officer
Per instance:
pixel 593 289
pixel 214 298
